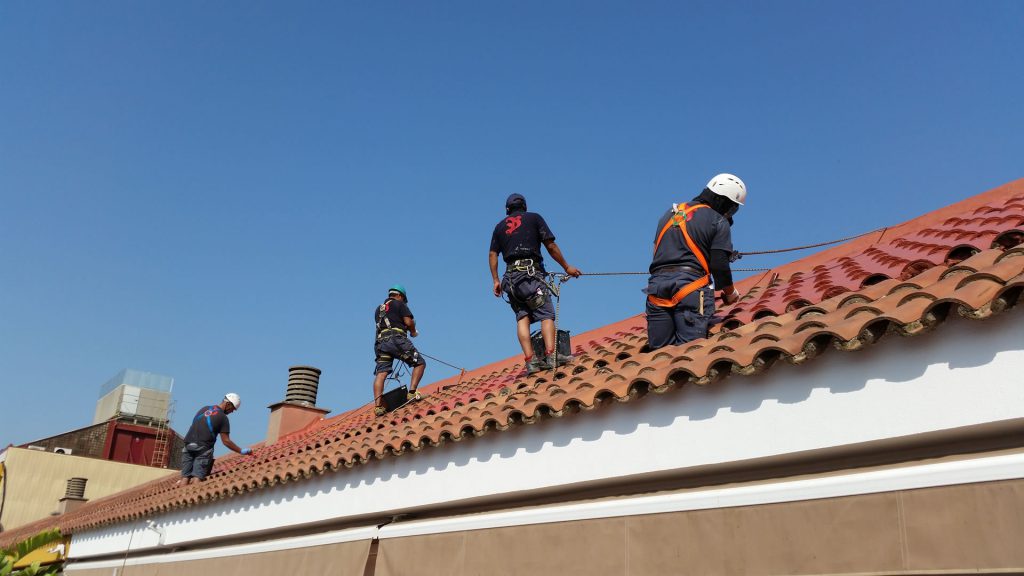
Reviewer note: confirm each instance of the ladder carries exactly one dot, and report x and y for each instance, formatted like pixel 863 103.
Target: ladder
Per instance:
pixel 161 447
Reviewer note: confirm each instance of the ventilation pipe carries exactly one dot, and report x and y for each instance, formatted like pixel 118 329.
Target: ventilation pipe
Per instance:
pixel 74 496
pixel 298 410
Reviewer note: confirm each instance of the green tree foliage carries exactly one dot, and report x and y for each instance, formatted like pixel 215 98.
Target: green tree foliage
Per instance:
pixel 8 558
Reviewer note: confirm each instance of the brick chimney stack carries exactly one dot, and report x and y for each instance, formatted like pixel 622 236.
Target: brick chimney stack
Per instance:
pixel 299 407
pixel 74 496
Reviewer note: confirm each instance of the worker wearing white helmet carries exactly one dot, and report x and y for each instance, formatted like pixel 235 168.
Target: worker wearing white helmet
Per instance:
pixel 208 423
pixel 692 248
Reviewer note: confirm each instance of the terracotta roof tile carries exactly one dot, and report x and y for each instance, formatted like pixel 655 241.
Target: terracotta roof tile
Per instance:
pixel 906 279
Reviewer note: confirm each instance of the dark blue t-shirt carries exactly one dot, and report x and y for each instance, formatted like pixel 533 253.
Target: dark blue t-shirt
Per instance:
pixel 519 236
pixel 708 230
pixel 209 422
pixel 391 314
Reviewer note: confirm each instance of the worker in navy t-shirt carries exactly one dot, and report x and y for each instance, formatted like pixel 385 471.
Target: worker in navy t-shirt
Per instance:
pixel 208 423
pixel 395 323
pixel 692 249
pixel 517 239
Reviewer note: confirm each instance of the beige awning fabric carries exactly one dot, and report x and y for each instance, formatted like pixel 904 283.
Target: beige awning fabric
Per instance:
pixel 969 528
pixel 342 559
pixel 973 527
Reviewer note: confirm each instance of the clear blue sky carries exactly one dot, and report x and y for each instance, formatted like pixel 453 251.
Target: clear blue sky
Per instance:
pixel 218 190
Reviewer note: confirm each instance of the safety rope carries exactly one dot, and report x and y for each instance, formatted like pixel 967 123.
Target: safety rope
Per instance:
pixel 738 255
pixel 555 284
pixel 648 273
pixel 462 371
pixel 396 373
pixel 441 361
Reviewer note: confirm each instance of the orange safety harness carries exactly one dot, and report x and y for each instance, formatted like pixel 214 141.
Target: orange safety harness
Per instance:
pixel 680 217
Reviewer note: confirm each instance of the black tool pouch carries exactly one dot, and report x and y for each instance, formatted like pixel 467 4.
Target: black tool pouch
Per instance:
pixel 562 344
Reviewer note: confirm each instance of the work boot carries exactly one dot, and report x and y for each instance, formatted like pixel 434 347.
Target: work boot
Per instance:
pixel 558 359
pixel 378 410
pixel 414 396
pixel 536 365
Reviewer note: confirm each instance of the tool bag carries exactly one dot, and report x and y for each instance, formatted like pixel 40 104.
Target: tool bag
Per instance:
pixel 562 344
pixel 395 398
pixel 527 289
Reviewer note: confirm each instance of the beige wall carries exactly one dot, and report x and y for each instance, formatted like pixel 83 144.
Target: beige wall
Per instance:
pixel 976 527
pixel 36 481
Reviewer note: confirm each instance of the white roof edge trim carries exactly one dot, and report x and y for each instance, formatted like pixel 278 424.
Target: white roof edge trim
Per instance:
pixel 988 469
pixel 335 537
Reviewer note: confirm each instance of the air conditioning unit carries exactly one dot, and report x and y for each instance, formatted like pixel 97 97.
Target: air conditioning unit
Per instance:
pixel 59 450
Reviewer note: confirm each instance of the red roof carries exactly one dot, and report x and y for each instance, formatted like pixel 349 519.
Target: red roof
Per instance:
pixel 964 259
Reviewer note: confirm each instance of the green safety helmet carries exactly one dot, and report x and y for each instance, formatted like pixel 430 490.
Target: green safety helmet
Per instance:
pixel 400 289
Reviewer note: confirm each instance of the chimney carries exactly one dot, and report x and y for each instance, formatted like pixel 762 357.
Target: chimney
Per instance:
pixel 74 496
pixel 299 407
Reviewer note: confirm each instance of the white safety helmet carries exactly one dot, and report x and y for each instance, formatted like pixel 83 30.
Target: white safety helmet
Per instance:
pixel 729 186
pixel 235 400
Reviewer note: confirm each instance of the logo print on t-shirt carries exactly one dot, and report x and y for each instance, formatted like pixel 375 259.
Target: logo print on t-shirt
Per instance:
pixel 513 223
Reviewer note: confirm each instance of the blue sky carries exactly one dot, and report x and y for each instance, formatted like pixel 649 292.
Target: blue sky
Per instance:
pixel 217 191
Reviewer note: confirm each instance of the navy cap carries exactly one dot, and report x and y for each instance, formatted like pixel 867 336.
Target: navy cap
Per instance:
pixel 514 199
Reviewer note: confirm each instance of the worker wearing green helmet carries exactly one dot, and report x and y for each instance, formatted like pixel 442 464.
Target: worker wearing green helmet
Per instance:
pixel 395 324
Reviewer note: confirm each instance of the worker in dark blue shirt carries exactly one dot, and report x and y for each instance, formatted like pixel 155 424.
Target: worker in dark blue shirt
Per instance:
pixel 518 238
pixel 692 249
pixel 395 323
pixel 208 423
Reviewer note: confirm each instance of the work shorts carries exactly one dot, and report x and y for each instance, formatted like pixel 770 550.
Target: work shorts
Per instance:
pixel 524 286
pixel 196 460
pixel 398 346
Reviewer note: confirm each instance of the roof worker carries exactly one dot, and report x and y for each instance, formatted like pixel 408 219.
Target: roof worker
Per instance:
pixel 395 323
pixel 208 423
pixel 692 246
pixel 518 238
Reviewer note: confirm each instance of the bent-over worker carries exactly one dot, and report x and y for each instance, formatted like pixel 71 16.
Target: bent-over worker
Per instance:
pixel 692 247
pixel 208 423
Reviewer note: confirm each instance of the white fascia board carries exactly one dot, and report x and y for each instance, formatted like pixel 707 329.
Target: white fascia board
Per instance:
pixel 334 537
pixel 965 374
pixel 1005 467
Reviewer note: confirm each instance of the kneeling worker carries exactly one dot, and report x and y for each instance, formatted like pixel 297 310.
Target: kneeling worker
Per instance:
pixel 208 423
pixel 394 320
pixel 518 237
pixel 692 245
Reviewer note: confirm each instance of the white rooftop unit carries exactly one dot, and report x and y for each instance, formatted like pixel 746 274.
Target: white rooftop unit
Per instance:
pixel 134 393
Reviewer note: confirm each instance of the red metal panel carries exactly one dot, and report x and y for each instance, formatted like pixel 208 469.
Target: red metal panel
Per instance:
pixel 132 444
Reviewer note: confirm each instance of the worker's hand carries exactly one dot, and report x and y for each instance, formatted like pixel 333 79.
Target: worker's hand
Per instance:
pixel 730 297
pixel 497 288
pixel 413 333
pixel 246 452
pixel 573 271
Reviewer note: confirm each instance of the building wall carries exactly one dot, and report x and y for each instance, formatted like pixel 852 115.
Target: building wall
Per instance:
pixel 942 383
pixel 969 528
pixel 90 441
pixel 972 528
pixel 118 441
pixel 36 481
